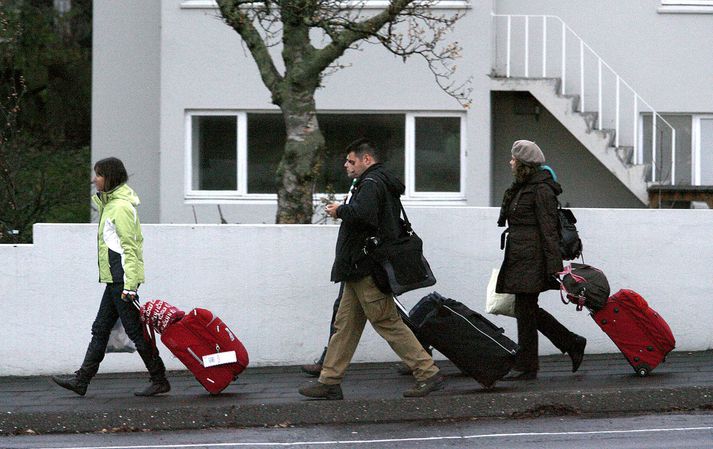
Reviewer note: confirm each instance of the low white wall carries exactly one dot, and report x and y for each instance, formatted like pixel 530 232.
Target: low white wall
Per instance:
pixel 271 284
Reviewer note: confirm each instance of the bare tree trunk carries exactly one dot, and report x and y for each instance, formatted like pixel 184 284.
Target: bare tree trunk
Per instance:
pixel 302 159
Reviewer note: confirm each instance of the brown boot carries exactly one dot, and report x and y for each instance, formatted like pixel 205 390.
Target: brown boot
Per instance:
pixel 315 369
pixel 156 387
pixel 425 387
pixel 318 390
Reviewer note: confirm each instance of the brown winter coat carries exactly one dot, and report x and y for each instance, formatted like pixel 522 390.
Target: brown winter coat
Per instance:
pixel 532 250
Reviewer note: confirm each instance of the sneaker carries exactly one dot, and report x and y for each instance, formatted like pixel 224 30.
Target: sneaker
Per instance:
pixel 318 390
pixel 156 387
pixel 424 387
pixel 577 353
pixel 313 370
pixel 72 383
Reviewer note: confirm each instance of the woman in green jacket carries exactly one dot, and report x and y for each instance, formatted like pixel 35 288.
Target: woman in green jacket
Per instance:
pixel 121 268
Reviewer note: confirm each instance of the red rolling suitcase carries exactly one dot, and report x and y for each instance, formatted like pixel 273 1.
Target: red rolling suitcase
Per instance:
pixel 640 333
pixel 199 339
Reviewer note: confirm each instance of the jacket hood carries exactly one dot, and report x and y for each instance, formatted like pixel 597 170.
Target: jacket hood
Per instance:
pixel 123 192
pixel 393 184
pixel 546 177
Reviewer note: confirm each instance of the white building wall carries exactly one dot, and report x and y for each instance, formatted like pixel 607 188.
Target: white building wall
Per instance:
pixel 271 284
pixel 204 66
pixel 155 60
pixel 125 92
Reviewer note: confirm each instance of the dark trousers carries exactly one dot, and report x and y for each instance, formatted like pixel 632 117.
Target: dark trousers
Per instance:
pixel 111 308
pixel 332 329
pixel 530 319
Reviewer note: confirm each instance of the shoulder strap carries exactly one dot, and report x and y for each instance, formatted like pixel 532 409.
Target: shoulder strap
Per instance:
pixel 403 212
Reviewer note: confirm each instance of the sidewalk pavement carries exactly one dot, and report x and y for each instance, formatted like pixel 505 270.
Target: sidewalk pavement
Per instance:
pixel 267 396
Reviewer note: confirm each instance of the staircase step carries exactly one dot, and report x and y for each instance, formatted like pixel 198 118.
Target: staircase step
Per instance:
pixel 625 154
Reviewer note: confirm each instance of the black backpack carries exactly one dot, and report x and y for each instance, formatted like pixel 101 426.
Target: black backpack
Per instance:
pixel 570 244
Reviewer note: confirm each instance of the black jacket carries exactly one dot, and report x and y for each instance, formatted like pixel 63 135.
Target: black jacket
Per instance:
pixel 372 211
pixel 532 251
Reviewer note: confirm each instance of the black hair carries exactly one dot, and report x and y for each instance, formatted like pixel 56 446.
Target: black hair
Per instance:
pixel 363 146
pixel 113 171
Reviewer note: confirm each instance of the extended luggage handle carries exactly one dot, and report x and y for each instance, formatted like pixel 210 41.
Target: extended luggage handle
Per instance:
pixel 149 334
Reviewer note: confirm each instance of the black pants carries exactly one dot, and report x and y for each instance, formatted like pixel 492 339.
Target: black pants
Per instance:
pixel 111 308
pixel 332 329
pixel 530 319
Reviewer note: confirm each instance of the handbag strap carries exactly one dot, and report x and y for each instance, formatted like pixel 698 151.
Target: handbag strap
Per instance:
pixel 565 295
pixel 409 229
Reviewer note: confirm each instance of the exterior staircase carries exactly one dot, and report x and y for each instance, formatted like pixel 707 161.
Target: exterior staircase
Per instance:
pixel 545 57
pixel 601 143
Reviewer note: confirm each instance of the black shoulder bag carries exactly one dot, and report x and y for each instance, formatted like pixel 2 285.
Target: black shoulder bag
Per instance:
pixel 401 259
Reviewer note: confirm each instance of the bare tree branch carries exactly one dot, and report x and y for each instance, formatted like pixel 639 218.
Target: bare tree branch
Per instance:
pixel 234 15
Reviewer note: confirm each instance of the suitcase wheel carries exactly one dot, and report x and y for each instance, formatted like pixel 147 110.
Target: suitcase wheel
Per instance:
pixel 642 370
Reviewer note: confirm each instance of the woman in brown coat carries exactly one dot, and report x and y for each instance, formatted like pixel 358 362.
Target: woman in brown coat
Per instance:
pixel 532 257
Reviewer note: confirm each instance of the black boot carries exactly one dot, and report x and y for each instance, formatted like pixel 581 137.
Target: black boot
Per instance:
pixel 89 368
pixel 77 383
pixel 157 370
pixel 577 352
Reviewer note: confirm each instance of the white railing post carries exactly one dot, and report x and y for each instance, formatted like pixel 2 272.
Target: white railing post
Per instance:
pixel 673 156
pixel 544 46
pixel 616 125
pixel 581 75
pixel 564 56
pixel 653 146
pixel 507 63
pixel 527 46
pixel 635 153
pixel 599 93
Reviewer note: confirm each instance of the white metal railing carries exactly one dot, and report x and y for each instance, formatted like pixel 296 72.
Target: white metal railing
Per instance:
pixel 596 94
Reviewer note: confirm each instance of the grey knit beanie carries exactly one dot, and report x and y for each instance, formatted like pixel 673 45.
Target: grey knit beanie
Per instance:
pixel 527 152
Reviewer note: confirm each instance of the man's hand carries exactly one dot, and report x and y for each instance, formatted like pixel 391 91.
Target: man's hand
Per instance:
pixel 331 209
pixel 129 295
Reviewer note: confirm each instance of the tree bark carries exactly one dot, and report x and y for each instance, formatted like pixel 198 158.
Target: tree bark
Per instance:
pixel 301 161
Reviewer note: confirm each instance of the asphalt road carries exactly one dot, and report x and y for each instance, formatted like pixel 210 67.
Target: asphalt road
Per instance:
pixel 663 431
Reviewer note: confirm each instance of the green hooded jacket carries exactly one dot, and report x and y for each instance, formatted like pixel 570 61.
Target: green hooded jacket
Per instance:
pixel 119 239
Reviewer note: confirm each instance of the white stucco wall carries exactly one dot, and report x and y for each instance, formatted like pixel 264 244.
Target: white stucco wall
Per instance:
pixel 271 283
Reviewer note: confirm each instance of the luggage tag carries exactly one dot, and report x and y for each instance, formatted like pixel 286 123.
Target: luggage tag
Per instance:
pixel 219 358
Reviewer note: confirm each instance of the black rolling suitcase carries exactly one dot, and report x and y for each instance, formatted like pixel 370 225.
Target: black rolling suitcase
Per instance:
pixel 475 345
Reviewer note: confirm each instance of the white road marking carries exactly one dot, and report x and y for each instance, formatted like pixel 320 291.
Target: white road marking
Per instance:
pixel 392 440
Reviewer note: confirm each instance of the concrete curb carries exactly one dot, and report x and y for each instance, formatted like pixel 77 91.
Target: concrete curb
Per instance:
pixel 439 406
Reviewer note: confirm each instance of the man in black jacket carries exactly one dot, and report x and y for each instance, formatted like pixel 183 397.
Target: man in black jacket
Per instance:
pixel 371 211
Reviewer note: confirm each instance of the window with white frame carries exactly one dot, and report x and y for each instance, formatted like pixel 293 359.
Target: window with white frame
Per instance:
pixel 234 154
pixel 694 147
pixel 686 6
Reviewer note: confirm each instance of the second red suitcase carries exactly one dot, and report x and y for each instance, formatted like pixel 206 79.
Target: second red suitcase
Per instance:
pixel 639 332
pixel 199 340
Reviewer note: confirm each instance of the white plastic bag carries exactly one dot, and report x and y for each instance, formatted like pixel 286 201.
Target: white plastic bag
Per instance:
pixel 498 303
pixel 118 340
